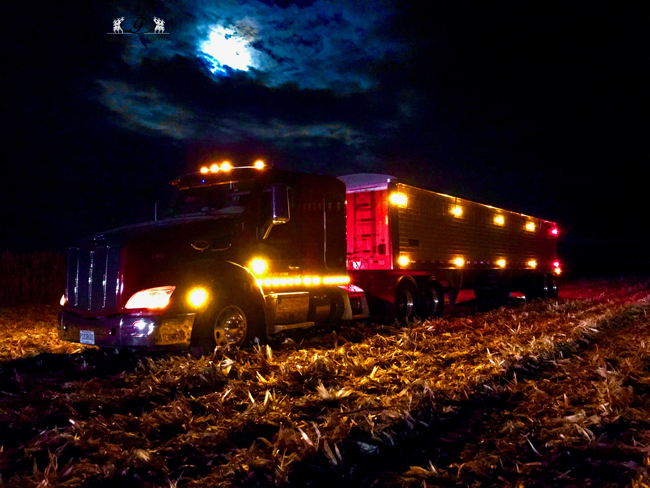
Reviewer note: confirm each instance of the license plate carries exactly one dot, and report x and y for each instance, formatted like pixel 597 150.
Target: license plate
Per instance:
pixel 87 336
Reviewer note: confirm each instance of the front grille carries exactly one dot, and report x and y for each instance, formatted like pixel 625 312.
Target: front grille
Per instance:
pixel 93 277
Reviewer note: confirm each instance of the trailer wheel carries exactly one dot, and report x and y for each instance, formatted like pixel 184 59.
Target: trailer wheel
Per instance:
pixel 553 289
pixel 405 300
pixel 432 300
pixel 537 288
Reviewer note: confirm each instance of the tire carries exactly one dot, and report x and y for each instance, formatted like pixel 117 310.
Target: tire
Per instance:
pixel 553 289
pixel 406 303
pixel 232 323
pixel 537 288
pixel 432 300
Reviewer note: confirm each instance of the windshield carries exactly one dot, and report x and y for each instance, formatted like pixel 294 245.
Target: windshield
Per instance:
pixel 227 198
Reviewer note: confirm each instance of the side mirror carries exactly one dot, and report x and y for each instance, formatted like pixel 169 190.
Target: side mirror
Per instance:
pixel 280 203
pixel 280 213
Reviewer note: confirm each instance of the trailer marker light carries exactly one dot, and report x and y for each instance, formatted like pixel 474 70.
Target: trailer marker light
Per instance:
pixel 532 263
pixel 530 226
pixel 457 211
pixel 259 164
pixel 63 301
pixel 307 280
pixel 316 280
pixel 275 281
pixel 403 260
pixel 226 166
pixel 557 271
pixel 555 231
pixel 556 264
pixel 459 262
pixel 259 266
pixel 214 168
pixel 499 220
pixel 501 263
pixel 204 170
pixel 151 298
pixel 398 199
pixel 197 297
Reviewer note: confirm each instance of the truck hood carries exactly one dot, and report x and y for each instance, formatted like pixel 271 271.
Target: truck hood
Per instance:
pixel 191 230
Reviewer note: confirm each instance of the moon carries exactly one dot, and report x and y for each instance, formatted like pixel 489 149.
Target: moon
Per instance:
pixel 224 47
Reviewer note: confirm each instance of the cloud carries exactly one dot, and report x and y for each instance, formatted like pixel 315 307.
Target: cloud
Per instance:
pixel 324 45
pixel 148 110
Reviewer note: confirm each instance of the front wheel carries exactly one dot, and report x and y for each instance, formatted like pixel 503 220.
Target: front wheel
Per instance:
pixel 233 323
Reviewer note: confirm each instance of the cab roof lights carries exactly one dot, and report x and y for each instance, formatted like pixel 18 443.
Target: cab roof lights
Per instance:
pixel 227 166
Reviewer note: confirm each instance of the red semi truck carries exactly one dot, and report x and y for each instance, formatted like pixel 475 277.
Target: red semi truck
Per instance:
pixel 252 250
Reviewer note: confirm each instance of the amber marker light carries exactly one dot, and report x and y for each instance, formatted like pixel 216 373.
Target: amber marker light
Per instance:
pixel 197 297
pixel 530 226
pixel 214 168
pixel 259 164
pixel 63 301
pixel 259 266
pixel 403 260
pixel 532 263
pixel 204 170
pixel 557 271
pixel 459 262
pixel 499 220
pixel 398 199
pixel 501 263
pixel 457 211
pixel 226 166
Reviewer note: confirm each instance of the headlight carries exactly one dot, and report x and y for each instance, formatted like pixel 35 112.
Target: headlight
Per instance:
pixel 151 298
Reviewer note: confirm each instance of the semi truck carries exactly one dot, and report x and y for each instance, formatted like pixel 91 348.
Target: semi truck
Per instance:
pixel 249 251
pixel 409 247
pixel 244 252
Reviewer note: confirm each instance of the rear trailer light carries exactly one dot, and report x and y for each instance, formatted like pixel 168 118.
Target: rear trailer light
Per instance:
pixel 151 298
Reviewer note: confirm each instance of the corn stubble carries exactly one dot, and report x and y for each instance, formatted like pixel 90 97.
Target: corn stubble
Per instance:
pixel 555 393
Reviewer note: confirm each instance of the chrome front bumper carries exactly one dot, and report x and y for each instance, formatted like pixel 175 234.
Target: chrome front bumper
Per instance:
pixel 128 331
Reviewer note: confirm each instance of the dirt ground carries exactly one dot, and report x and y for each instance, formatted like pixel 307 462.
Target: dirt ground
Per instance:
pixel 549 393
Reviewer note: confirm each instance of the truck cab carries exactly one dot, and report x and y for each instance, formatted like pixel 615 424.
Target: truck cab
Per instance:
pixel 242 253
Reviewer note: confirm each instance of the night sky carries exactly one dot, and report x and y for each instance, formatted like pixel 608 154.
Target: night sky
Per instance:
pixel 537 107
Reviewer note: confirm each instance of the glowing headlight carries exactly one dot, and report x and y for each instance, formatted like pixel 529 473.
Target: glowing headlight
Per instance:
pixel 152 298
pixel 197 297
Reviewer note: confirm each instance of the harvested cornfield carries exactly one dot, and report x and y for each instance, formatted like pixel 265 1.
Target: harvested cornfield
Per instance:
pixel 553 393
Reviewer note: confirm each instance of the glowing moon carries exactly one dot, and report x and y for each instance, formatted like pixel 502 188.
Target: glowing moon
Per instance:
pixel 225 47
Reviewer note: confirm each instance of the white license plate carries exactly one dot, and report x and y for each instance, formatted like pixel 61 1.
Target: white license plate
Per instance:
pixel 87 336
